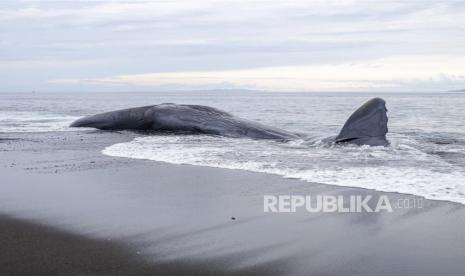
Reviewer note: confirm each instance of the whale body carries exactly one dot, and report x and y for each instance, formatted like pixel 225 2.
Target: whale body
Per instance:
pixel 182 118
pixel 366 126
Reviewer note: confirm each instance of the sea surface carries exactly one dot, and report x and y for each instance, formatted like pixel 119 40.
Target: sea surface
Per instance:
pixel 426 131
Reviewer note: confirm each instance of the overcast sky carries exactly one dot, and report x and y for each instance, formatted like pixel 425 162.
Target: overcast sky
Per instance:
pixel 272 45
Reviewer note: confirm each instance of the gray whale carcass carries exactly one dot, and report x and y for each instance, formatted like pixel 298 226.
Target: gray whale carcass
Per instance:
pixel 181 118
pixel 366 126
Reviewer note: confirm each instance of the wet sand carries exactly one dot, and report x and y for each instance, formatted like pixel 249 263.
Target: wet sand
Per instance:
pixel 69 210
pixel 37 249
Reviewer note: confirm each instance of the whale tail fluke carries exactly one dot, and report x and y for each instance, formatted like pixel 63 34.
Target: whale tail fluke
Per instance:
pixel 367 125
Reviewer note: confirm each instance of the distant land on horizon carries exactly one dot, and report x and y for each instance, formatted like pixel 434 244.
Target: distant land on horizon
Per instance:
pixel 457 90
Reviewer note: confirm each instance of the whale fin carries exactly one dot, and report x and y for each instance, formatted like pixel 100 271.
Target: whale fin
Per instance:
pixel 367 125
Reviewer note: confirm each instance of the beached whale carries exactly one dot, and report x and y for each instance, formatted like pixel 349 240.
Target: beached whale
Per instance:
pixel 366 126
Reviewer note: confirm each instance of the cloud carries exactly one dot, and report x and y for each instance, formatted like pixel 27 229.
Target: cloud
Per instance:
pixel 221 40
pixel 390 73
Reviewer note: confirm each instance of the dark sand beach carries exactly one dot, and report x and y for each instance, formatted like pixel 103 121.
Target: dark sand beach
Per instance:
pixel 67 209
pixel 36 249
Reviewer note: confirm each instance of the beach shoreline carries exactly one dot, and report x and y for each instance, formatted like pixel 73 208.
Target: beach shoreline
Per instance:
pixel 184 214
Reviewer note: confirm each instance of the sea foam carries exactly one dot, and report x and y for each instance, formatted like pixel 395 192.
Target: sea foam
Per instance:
pixel 403 167
pixel 25 121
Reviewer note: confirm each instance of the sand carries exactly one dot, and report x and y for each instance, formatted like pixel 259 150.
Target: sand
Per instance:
pixel 69 210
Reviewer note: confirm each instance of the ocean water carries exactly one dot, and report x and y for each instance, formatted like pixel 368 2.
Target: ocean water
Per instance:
pixel 427 134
